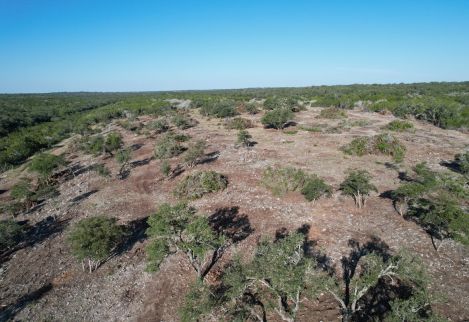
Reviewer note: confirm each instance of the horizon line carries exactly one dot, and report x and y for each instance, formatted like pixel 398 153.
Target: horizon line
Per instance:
pixel 230 89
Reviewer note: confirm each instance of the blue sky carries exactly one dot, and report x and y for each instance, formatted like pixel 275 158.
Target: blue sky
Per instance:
pixel 83 45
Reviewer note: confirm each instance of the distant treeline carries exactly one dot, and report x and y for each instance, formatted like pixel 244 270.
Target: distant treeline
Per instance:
pixel 32 122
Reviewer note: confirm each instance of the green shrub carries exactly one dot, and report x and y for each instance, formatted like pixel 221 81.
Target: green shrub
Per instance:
pixel 442 217
pixel 165 168
pixel 238 123
pixel 123 158
pixel 178 229
pixel 159 126
pixel 462 162
pixel 11 234
pixel 22 191
pixel 332 113
pixel 93 145
pixel 382 143
pixel 94 239
pixel 358 146
pixel 45 164
pixel 314 188
pixel 220 109
pixel 102 170
pixel 399 126
pixel 272 103
pixel 251 108
pixel 168 146
pixel 357 185
pixel 182 121
pixel 196 185
pixel 389 145
pixel 282 180
pixel 277 118
pixel 194 152
pixel 244 138
pixel 435 201
pixel 113 142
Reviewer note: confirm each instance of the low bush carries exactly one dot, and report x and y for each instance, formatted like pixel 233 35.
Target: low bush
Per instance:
pixel 238 123
pixel 123 157
pixel 220 109
pixel 332 113
pixel 182 121
pixel 45 164
pixel 462 162
pixel 314 188
pixel 102 170
pixel 159 126
pixel 251 108
pixel 113 142
pixel 277 118
pixel 168 146
pixel 282 180
pixel 399 126
pixel 196 185
pixel 244 138
pixel 92 144
pixel 94 239
pixel 357 185
pixel 11 234
pixel 165 168
pixel 435 201
pixel 382 143
pixel 359 146
pixel 194 152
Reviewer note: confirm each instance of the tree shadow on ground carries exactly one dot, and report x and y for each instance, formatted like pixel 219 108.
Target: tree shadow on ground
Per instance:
pixel 232 224
pixel 35 234
pixel 135 232
pixel 83 196
pixel 139 163
pixel 209 157
pixel 451 165
pixel 9 312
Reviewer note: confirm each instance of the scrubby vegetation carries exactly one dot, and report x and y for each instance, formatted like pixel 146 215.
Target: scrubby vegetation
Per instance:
pixel 168 146
pixel 266 277
pixel 357 185
pixel 196 185
pixel 434 200
pixel 385 143
pixel 44 164
pixel 238 123
pixel 462 162
pixel 220 109
pixel 194 152
pixel 333 113
pixel 277 118
pixel 283 275
pixel 177 228
pixel 10 234
pixel 283 180
pixel 244 138
pixel 399 126
pixel 93 239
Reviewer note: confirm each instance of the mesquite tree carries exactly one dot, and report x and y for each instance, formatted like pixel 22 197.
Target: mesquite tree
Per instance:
pixel 275 281
pixel 366 271
pixel 93 240
pixel 358 186
pixel 178 229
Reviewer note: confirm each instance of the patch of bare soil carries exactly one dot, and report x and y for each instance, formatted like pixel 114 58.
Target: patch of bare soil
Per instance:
pixel 44 282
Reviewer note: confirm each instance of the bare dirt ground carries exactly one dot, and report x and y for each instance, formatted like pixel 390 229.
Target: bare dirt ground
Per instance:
pixel 44 282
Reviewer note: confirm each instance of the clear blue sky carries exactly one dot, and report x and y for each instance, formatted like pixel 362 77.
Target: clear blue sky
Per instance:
pixel 84 45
